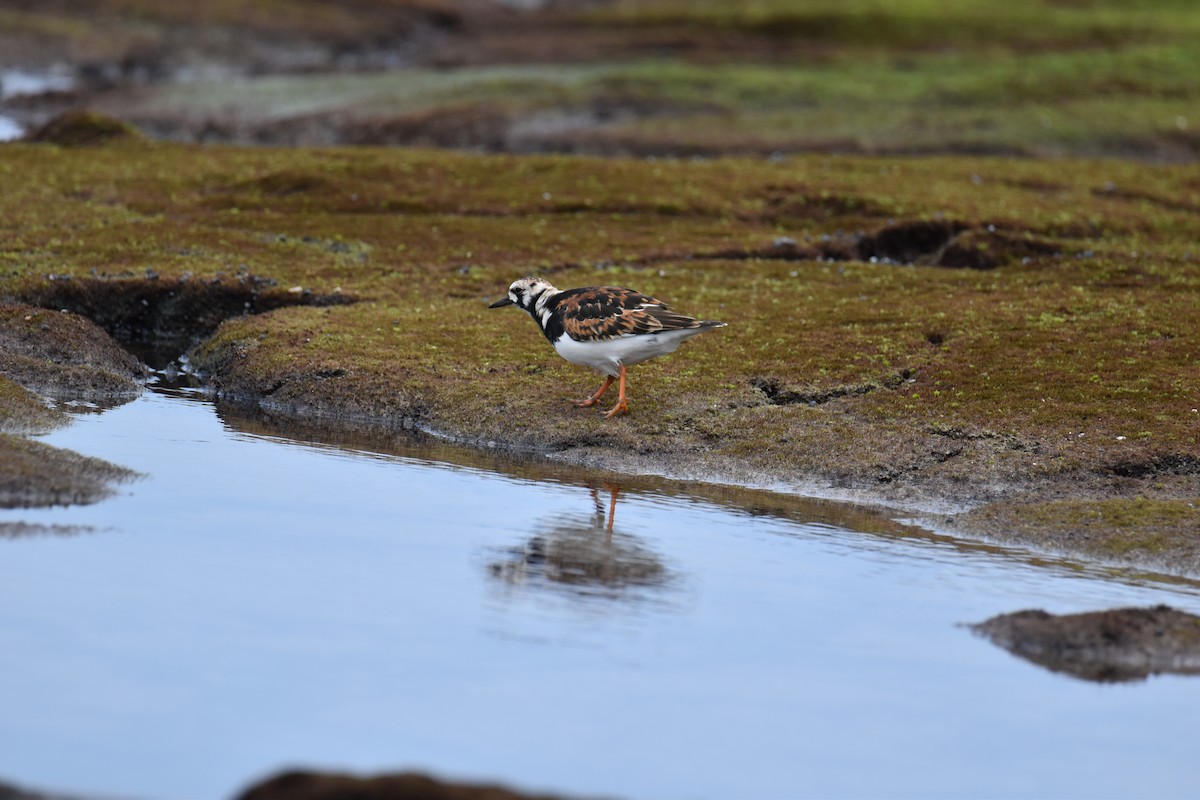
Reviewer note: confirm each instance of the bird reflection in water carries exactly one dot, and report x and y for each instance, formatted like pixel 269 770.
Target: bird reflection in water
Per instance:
pixel 584 555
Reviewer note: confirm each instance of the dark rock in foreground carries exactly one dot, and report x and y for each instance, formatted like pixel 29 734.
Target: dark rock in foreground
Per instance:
pixel 1124 644
pixel 401 786
pixel 10 792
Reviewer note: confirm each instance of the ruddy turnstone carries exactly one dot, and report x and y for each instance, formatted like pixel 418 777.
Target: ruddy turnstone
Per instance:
pixel 606 328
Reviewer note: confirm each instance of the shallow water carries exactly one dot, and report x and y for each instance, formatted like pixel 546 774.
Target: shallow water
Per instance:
pixel 257 602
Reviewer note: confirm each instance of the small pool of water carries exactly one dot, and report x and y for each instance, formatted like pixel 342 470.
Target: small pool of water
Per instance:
pixel 258 602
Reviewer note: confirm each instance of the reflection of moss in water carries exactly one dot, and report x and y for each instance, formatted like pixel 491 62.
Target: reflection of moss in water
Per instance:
pixel 22 412
pixel 23 530
pixel 1125 644
pixel 35 474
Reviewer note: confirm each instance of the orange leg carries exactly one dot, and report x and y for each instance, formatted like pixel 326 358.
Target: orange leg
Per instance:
pixel 612 506
pixel 620 407
pixel 595 398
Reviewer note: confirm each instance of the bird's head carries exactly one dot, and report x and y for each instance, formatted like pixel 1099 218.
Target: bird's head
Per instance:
pixel 525 293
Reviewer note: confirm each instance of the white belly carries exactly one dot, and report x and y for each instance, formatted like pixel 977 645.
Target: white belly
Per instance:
pixel 608 356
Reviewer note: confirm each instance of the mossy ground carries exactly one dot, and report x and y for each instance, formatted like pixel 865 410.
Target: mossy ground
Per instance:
pixel 1069 365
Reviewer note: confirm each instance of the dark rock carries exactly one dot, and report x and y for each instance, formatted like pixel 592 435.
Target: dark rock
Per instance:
pixel 298 785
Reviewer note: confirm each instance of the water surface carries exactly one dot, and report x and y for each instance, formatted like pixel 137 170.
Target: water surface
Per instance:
pixel 257 602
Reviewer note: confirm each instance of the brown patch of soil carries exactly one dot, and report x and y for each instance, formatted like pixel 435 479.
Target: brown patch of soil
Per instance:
pixel 1126 644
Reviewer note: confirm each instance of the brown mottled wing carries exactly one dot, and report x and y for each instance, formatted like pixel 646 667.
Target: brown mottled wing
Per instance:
pixel 606 312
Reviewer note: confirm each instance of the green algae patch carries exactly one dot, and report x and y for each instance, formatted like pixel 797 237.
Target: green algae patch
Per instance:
pixel 930 332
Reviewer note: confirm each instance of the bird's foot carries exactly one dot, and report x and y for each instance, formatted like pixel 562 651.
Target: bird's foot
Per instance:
pixel 596 395
pixel 619 408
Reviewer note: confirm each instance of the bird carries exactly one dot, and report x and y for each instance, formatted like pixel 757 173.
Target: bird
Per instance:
pixel 607 328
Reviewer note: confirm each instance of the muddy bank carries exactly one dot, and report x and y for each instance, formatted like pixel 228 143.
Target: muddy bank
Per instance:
pixel 1126 644
pixel 66 356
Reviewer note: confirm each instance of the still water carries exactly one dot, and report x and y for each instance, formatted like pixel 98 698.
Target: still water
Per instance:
pixel 258 602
